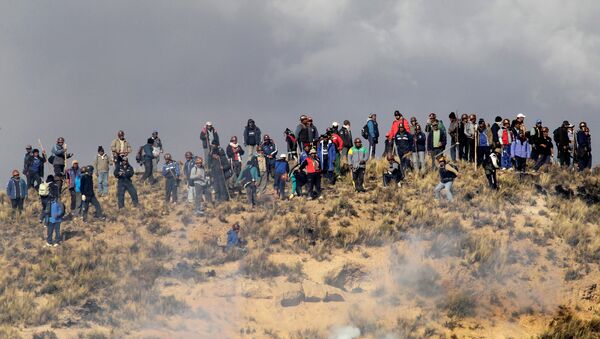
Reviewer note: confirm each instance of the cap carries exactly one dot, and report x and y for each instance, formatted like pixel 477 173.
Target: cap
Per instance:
pixel 538 121
pixel 335 124
pixel 481 121
pixel 28 147
pixel 15 172
pixel 74 162
pixel 313 151
pixel 566 123
pixel 397 113
pixel 100 149
pixel 521 115
pixel 283 156
pixel 208 123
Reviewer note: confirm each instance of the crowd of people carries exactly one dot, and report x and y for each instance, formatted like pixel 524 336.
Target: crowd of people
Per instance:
pixel 222 171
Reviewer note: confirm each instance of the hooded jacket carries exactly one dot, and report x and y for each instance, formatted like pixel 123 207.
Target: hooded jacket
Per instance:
pixel 357 157
pixel 208 137
pixel 394 129
pixel 419 142
pixel 404 142
pixel 11 188
pixel 520 148
pixel 346 135
pixel 252 135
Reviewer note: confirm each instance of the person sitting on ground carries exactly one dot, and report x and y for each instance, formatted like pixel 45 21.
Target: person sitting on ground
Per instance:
pixel 170 171
pixel 312 165
pixel 545 150
pixel 124 172
pixel 35 169
pixel 281 175
pixel 357 159
pixel 490 165
pixel 16 190
pixel 88 196
pixel 233 237
pixel 248 179
pixel 393 172
pixel 520 152
pixel 199 179
pixel 57 212
pixel 448 173
pixel 102 166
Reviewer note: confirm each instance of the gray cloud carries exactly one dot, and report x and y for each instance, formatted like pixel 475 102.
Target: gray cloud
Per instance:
pixel 85 69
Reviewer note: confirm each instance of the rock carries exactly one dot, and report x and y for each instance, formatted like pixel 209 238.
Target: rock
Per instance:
pixel 333 297
pixel 564 192
pixel 315 292
pixel 292 298
pixel 255 290
pixel 589 293
pixel 346 277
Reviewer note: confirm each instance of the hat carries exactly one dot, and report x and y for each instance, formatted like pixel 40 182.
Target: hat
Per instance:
pixel 441 158
pixel 283 156
pixel 35 150
pixel 570 126
pixel 498 118
pixel 208 123
pixel 538 121
pixel 28 147
pixel 481 121
pixel 521 115
pixel 335 124
pixel 397 113
pixel 100 149
pixel 74 162
pixel 566 123
pixel 15 173
pixel 313 151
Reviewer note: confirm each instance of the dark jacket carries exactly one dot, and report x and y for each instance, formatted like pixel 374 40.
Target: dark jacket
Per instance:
pixel 544 146
pixel 252 136
pixel 346 136
pixel 123 172
pixel 147 152
pixel 404 142
pixel 442 140
pixel 204 136
pixel 87 185
pixel 561 136
pixel 495 128
pixel 313 134
pixel 584 144
pixel 30 162
pixel 419 142
pixel 231 154
pixel 447 175
pixel 302 134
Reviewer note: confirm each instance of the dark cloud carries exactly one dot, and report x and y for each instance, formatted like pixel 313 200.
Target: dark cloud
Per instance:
pixel 86 69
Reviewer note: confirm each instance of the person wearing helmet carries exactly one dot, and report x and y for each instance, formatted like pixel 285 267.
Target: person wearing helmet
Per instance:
pixel 120 147
pixel 189 163
pixel 357 159
pixel 16 190
pixel 448 173
pixel 208 135
pixel 312 165
pixel 146 157
pixel 87 194
pixel 270 153
pixel 59 156
pixel 252 137
pixel 124 172
pixel 170 170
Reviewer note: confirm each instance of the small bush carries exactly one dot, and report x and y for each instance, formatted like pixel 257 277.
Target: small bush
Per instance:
pixel 459 305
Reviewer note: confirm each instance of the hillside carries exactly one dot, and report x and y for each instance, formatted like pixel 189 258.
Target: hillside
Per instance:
pixel 389 263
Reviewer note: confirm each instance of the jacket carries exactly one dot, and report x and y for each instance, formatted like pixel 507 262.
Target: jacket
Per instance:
pixel 485 137
pixel 117 146
pixel 337 141
pixel 419 142
pixel 495 137
pixel 170 170
pixel 59 155
pixel 505 136
pixel 87 185
pixel 301 133
pixel 328 150
pixel 252 136
pixel 404 143
pixel 312 165
pixel 249 174
pixel 313 134
pixel 72 175
pixel 470 130
pixel 234 153
pixel 56 212
pixel 11 188
pixel 583 143
pixel 357 157
pixel 101 163
pixel 453 131
pixel 442 140
pixel 32 162
pixel 123 173
pixel 394 129
pixel 198 175
pixel 205 136
pixel 372 130
pixel 546 149
pixel 561 137
pixel 281 167
pixel 346 135
pixel 147 152
pixel 269 149
pixel 520 149
pixel 491 163
pixel 448 173
pixel 233 239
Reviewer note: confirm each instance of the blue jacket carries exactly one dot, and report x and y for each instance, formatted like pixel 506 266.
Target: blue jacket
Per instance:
pixel 520 149
pixel 147 152
pixel 269 149
pixel 11 188
pixel 72 175
pixel 331 154
pixel 171 169
pixel 233 240
pixel 419 142
pixel 281 167
pixel 373 129
pixel 56 212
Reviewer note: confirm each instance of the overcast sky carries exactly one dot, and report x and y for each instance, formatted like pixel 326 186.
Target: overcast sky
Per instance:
pixel 84 69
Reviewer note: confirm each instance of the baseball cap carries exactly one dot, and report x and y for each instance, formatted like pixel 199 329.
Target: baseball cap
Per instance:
pixel 521 115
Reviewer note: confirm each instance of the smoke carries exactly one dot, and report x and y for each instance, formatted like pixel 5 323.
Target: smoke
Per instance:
pixel 346 332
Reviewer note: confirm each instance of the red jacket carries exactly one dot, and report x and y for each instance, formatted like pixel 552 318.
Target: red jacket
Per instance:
pixel 337 140
pixel 392 133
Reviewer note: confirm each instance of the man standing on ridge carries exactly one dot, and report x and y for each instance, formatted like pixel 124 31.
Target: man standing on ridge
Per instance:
pixel 146 155
pixel 157 150
pixel 187 169
pixel 208 135
pixel 120 147
pixel 87 194
pixel 312 166
pixel 436 142
pixel 372 135
pixel 252 137
pixel 59 156
pixel 16 190
pixel 346 135
pixel 35 169
pixel 357 158
pixel 102 165
pixel 170 171
pixel 124 172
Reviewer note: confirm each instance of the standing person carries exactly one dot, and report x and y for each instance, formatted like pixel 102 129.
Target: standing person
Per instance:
pixel 404 144
pixel 74 185
pixel 220 171
pixel 248 179
pixel 448 173
pixel 170 171
pixel 357 158
pixel 470 135
pixel 535 137
pixel 16 190
pixel 561 138
pixel 252 137
pixel 35 169
pixel 59 156
pixel 270 152
pixel 572 141
pixel 301 132
pixel 46 192
pixel 398 120
pixel 506 139
pixel 336 151
pixel 146 155
pixel 436 142
pixel 518 125
pixel 434 120
pixel 520 151
pixel 313 173
pixel 313 133
pixel 394 172
pixel 281 175
pixel 120 147
pixel 26 160
pixel 453 131
pixel 495 128
pixel 187 169
pixel 545 149
pixel 326 153
pixel 419 148
pixel 57 212
pixel 234 153
pixel 583 147
pixel 463 144
pixel 413 123
pixel 157 150
pixel 124 172
pixel 292 145
pixel 346 135
pixel 484 142
pixel 102 165
pixel 87 194
pixel 372 135
pixel 198 176
pixel 208 135
pixel 490 165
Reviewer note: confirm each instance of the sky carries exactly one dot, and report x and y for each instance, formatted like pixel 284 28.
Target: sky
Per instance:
pixel 85 69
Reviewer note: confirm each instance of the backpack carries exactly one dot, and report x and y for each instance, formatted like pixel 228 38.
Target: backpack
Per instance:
pixel 556 134
pixel 365 131
pixel 44 189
